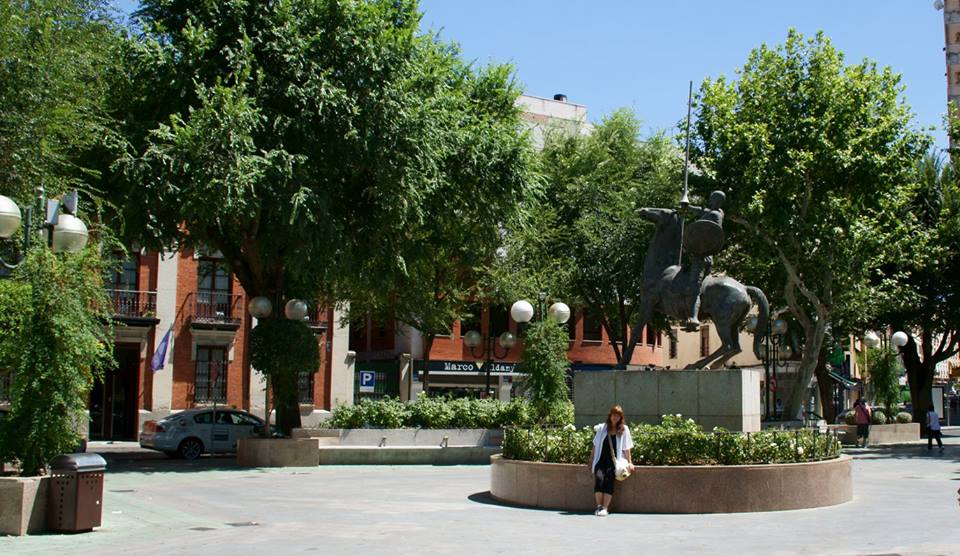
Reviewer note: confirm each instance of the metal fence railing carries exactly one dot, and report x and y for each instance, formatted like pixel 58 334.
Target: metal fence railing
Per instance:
pixel 217 307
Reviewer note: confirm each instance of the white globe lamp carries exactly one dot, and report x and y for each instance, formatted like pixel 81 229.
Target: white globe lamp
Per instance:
pixel 871 339
pixel 69 235
pixel 9 217
pixel 522 311
pixel 295 309
pixel 559 312
pixel 507 340
pixel 899 339
pixel 472 339
pixel 260 307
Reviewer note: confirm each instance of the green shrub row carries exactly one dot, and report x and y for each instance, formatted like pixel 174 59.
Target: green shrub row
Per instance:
pixel 442 413
pixel 677 441
pixel 878 416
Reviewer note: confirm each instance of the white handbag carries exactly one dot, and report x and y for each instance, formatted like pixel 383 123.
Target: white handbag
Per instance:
pixel 621 468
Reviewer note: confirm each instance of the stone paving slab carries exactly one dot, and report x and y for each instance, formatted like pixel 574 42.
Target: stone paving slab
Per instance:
pixel 905 502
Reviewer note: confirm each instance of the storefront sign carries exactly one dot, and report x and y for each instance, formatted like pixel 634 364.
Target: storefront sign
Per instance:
pixel 496 367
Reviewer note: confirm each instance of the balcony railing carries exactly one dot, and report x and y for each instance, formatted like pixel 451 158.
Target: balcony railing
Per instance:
pixel 217 308
pixel 317 318
pixel 133 304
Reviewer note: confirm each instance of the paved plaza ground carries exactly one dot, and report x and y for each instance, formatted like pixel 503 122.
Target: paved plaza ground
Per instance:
pixel 905 502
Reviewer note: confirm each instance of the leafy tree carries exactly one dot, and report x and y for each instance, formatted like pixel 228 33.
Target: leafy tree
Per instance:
pixel 60 345
pixel 581 239
pixel 310 142
pixel 813 155
pixel 283 350
pixel 926 297
pixel 883 368
pixel 55 60
pixel 545 363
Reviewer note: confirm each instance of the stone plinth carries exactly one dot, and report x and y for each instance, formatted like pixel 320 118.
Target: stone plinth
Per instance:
pixel 728 398
pixel 678 489
pixel 893 433
pixel 277 452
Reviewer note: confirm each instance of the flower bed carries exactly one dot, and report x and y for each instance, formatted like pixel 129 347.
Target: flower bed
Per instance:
pixel 677 441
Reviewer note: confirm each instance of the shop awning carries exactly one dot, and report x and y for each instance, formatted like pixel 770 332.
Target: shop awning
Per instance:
pixel 848 383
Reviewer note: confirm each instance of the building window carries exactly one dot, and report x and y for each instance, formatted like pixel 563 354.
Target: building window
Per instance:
pixel 305 388
pixel 499 320
pixel 5 381
pixel 673 344
pixel 572 326
pixel 651 335
pixel 471 319
pixel 592 327
pixel 127 276
pixel 211 380
pixel 704 340
pixel 213 289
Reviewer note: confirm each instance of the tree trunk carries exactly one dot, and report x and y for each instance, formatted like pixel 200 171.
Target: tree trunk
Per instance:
pixel 814 335
pixel 427 346
pixel 285 399
pixel 826 385
pixel 920 374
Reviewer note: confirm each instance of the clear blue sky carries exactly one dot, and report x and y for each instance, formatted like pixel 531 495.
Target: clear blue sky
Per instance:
pixel 606 54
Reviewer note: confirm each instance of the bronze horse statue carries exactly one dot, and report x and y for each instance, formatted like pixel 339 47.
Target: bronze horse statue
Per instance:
pixel 666 290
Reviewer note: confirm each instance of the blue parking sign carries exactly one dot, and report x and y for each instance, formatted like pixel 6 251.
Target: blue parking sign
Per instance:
pixel 368 381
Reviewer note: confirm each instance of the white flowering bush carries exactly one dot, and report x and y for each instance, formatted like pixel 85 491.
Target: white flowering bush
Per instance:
pixel 676 441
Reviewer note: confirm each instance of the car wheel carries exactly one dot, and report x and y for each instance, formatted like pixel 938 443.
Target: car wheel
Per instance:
pixel 190 449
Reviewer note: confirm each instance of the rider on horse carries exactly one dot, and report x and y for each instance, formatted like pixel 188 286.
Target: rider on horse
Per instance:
pixel 702 239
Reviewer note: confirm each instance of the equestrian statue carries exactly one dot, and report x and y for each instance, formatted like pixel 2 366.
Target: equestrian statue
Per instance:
pixel 688 292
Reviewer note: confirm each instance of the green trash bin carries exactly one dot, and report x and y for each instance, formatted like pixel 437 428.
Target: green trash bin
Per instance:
pixel 76 492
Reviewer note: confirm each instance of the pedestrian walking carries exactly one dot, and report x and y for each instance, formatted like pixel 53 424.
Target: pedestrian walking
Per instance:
pixel 933 428
pixel 612 440
pixel 862 416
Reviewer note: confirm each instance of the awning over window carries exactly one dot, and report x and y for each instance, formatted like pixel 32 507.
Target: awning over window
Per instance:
pixel 848 383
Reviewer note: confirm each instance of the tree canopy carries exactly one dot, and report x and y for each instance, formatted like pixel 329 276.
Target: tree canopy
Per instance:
pixel 581 240
pixel 324 148
pixel 814 155
pixel 56 58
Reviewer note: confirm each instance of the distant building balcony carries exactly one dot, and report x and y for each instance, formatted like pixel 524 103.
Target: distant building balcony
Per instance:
pixel 134 307
pixel 317 319
pixel 216 310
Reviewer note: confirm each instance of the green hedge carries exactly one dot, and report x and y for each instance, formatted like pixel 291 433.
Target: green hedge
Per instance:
pixel 677 441
pixel 441 413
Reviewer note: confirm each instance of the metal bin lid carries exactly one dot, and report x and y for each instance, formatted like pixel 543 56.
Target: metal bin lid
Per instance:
pixel 78 462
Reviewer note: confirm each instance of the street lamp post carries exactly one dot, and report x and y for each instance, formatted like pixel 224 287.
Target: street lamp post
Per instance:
pixel 488 350
pixel 774 352
pixel 521 312
pixel 65 232
pixel 261 307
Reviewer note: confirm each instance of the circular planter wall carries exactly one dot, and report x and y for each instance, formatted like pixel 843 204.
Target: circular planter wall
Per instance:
pixel 677 489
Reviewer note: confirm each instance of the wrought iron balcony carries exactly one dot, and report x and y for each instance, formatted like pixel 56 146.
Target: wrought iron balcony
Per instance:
pixel 213 309
pixel 317 319
pixel 134 307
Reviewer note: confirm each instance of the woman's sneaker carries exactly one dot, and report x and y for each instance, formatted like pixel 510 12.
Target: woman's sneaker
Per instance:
pixel 596 511
pixel 602 512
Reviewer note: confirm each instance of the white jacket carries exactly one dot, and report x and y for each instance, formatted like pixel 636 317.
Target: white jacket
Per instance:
pixel 624 442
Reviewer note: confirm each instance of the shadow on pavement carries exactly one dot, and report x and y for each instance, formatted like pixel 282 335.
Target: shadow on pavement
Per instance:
pixel 906 451
pixel 148 461
pixel 487 499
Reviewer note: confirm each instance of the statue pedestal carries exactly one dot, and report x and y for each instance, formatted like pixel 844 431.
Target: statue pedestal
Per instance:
pixel 728 398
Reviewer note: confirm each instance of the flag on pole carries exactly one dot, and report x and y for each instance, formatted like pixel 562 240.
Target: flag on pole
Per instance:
pixel 160 355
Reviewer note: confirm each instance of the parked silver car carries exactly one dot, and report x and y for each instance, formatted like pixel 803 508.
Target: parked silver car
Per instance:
pixel 193 432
